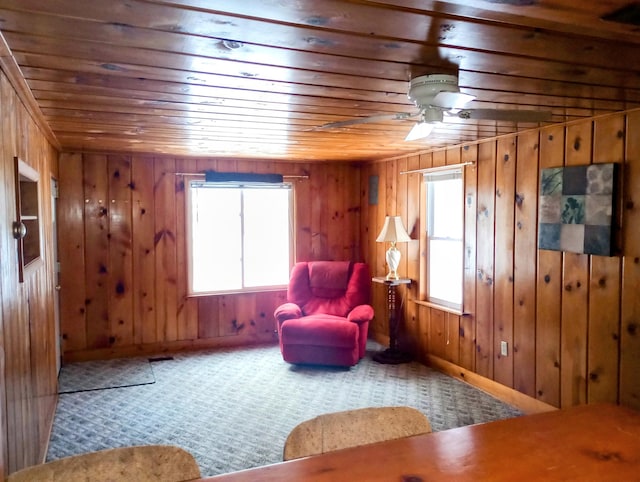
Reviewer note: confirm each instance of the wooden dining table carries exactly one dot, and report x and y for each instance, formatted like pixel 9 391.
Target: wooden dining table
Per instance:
pixel 598 442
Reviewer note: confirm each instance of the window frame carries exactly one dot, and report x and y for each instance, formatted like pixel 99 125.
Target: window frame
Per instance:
pixel 435 175
pixel 189 188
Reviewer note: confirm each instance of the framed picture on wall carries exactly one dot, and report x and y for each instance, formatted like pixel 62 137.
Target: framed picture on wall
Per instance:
pixel 577 209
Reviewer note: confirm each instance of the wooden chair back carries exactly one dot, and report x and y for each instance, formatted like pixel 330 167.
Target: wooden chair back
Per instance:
pixel 351 428
pixel 147 463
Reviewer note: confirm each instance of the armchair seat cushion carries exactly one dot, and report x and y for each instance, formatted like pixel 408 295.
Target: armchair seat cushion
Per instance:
pixel 326 318
pixel 320 330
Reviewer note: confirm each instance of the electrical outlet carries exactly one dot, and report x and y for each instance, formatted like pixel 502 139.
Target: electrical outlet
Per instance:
pixel 504 348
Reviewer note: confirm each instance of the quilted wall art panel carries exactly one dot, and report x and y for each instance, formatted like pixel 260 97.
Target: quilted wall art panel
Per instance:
pixel 576 209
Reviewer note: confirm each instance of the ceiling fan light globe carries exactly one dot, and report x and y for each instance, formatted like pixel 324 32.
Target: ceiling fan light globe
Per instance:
pixel 432 116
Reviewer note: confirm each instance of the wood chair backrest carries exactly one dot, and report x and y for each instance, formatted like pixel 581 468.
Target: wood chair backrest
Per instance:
pixel 351 428
pixel 146 463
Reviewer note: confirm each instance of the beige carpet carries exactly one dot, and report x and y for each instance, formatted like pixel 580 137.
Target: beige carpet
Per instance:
pixel 233 408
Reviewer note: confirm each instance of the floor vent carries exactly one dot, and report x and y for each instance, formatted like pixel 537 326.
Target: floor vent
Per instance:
pixel 160 358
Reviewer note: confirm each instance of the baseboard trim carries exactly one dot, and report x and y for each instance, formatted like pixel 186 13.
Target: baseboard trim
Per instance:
pixel 51 413
pixel 525 403
pixel 154 349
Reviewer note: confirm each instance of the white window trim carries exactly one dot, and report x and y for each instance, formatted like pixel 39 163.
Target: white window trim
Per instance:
pixel 189 241
pixel 441 174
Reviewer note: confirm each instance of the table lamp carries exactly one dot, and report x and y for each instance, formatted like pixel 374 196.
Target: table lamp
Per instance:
pixel 393 231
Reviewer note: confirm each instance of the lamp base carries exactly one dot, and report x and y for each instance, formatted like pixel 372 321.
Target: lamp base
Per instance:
pixel 392 356
pixel 392 275
pixel 393 260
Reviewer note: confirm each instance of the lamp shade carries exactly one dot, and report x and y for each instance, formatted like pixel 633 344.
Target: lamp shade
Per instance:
pixel 393 231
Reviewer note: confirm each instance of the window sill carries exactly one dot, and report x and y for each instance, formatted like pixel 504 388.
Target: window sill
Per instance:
pixel 446 309
pixel 245 291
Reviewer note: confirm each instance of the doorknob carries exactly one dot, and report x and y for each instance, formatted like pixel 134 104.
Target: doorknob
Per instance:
pixel 19 230
pixel 58 287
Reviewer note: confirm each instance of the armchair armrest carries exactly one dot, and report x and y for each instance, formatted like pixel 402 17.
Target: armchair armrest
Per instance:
pixel 360 314
pixel 287 311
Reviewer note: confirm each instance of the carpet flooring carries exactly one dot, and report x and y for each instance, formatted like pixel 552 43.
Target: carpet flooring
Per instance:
pixel 103 374
pixel 233 408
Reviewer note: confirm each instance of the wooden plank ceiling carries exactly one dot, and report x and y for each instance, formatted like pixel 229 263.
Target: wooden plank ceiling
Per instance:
pixel 255 78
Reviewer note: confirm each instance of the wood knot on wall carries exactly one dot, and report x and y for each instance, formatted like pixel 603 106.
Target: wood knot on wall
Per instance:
pixel 163 234
pixel 603 455
pixel 483 212
pixel 484 278
pixel 519 199
pixel 120 288
pixel 237 327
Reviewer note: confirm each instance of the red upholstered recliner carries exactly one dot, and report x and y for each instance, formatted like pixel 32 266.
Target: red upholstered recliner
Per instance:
pixel 326 319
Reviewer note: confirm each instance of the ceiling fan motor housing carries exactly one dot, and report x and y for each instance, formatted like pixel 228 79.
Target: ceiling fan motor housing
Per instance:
pixel 423 89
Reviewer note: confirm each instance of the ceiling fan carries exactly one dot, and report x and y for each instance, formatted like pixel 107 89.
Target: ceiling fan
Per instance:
pixel 438 96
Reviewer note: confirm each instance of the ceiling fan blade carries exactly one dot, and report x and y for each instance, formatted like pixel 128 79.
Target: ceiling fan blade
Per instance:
pixel 505 115
pixel 366 120
pixel 451 100
pixel 420 131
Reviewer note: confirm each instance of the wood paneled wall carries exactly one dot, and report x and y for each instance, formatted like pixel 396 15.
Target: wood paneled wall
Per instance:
pixel 123 254
pixel 571 321
pixel 28 382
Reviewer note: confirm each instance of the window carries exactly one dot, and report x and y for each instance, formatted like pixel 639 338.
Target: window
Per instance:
pixel 445 228
pixel 240 236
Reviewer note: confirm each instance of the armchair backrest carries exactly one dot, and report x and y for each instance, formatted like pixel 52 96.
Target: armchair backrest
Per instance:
pixel 330 287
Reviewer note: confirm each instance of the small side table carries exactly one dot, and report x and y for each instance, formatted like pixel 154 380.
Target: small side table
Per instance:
pixel 392 355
